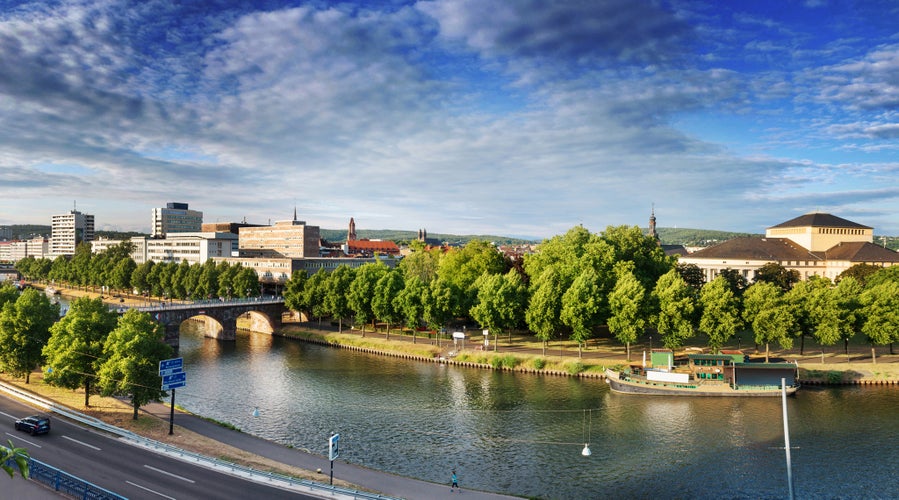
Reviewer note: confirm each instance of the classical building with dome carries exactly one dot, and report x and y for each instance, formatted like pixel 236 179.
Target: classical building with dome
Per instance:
pixel 813 244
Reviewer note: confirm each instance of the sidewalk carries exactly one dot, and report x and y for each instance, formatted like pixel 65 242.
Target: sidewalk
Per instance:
pixel 368 479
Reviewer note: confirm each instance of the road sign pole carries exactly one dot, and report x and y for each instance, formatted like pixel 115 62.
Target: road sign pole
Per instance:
pixel 172 415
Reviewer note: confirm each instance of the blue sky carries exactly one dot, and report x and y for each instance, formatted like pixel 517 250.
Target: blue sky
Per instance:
pixel 519 118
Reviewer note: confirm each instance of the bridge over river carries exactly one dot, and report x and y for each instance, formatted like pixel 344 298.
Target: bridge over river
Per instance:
pixel 219 316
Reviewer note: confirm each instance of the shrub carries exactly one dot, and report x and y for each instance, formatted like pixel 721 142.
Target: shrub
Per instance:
pixel 834 377
pixel 574 368
pixel 539 363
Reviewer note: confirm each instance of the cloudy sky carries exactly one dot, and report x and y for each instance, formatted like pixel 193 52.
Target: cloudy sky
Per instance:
pixel 520 118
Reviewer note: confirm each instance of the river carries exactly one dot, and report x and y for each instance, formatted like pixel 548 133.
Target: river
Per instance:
pixel 523 434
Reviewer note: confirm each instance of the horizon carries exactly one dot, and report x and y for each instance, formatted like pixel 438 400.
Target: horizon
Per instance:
pixel 515 117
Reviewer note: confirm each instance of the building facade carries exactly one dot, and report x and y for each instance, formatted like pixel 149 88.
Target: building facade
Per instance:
pixel 814 244
pixel 69 230
pixel 285 239
pixel 175 218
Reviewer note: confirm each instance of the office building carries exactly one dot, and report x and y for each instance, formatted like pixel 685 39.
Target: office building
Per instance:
pixel 69 230
pixel 175 218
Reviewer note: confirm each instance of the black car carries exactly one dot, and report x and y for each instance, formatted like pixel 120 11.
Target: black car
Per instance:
pixel 35 424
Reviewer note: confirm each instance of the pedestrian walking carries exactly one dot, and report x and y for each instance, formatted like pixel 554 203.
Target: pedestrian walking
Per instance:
pixel 455 483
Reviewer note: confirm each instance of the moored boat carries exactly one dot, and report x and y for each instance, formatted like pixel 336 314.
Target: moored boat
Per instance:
pixel 705 375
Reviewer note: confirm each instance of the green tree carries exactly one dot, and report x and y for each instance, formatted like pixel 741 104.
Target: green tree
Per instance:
pixel 881 315
pixel 675 303
pixel 132 353
pixel 804 298
pixel 337 288
pixel 421 264
pixel 861 273
pixel 24 331
pixel 583 307
pixel 692 275
pixel 411 302
pixel 208 281
pixel 627 304
pixel 140 277
pixel 630 244
pixel 720 317
pixel 294 298
pixel 545 307
pixel 75 349
pixel 769 315
pixel 836 313
pixel 314 294
pixel 441 302
pixel 462 268
pixel 8 294
pixel 362 290
pixel 777 275
pixel 18 455
pixel 385 304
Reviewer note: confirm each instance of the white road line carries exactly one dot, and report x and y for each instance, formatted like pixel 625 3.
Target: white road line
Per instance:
pixel 8 415
pixel 18 438
pixel 151 491
pixel 82 443
pixel 169 474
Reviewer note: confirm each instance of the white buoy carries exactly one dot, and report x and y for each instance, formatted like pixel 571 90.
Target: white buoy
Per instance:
pixel 586 451
pixel 255 411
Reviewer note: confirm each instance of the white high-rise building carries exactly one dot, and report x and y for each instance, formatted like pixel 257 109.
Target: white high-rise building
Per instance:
pixel 175 218
pixel 68 230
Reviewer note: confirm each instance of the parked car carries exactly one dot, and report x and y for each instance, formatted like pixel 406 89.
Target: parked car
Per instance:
pixel 35 424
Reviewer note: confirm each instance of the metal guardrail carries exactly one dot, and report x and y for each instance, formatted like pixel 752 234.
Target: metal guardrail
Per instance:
pixel 64 482
pixel 208 462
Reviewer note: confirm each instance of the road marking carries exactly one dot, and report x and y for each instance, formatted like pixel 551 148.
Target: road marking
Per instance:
pixel 82 443
pixel 169 474
pixel 151 491
pixel 8 415
pixel 22 439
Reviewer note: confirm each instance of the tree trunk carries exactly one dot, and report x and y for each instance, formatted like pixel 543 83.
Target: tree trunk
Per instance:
pixel 340 325
pixel 628 351
pixel 27 377
pixel 579 350
pixel 873 356
pixel 544 348
pixel 495 341
pixel 801 344
pixel 766 352
pixel 388 331
pixel 87 393
pixel 136 407
pixel 413 335
pixel 822 356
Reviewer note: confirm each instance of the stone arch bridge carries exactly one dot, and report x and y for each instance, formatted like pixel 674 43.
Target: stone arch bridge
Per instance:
pixel 220 317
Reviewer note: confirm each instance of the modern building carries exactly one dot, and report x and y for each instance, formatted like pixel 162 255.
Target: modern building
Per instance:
pixel 175 218
pixel 195 248
pixel 814 244
pixel 69 230
pixel 285 239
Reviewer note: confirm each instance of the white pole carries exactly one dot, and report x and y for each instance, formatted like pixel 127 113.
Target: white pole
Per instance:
pixel 783 394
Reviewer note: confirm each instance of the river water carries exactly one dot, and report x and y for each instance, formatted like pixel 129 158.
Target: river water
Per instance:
pixel 523 434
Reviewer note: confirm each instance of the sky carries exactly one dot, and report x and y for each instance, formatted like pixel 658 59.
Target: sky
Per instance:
pixel 515 117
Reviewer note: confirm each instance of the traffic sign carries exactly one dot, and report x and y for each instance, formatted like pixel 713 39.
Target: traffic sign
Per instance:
pixel 333 451
pixel 174 381
pixel 170 366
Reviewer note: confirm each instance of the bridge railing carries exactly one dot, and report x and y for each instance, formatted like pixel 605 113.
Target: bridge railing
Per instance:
pixel 210 303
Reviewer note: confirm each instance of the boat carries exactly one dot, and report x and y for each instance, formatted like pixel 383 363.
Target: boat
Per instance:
pixel 725 374
pixel 50 291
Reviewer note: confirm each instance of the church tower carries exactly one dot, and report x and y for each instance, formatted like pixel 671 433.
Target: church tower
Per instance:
pixel 652 224
pixel 351 234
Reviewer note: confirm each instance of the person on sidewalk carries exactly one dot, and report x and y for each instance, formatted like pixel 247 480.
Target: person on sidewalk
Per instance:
pixel 455 483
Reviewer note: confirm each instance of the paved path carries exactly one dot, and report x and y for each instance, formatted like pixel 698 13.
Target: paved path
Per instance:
pixel 382 482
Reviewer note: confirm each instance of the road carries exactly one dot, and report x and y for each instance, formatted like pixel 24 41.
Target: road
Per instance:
pixel 122 468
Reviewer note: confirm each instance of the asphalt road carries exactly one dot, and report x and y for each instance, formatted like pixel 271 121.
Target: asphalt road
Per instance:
pixel 120 467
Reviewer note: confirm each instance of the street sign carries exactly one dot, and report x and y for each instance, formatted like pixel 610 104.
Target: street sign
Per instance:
pixel 170 366
pixel 333 451
pixel 174 381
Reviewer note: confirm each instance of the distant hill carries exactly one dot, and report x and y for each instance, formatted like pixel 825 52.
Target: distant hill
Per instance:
pixel 398 236
pixel 28 231
pixel 696 237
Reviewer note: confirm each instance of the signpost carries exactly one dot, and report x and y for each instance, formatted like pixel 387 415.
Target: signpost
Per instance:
pixel 333 452
pixel 173 376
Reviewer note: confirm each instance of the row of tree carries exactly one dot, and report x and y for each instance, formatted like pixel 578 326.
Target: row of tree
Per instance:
pixel 579 284
pixel 90 347
pixel 114 268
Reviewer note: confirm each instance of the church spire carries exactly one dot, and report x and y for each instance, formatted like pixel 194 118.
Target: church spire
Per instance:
pixel 652 224
pixel 351 233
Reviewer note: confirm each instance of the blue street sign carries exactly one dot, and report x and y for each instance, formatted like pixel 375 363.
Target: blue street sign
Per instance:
pixel 174 378
pixel 174 385
pixel 333 447
pixel 170 366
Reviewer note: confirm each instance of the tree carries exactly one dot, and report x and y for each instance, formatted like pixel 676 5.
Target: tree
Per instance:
pixel 75 349
pixel 836 313
pixel 314 293
pixel 804 298
pixel 881 314
pixel 583 308
pixel 692 275
pixel 500 302
pixel 861 273
pixel 545 307
pixel 362 290
pixel 442 299
pixel 384 304
pixel 627 303
pixel 735 281
pixel 24 331
pixel 294 299
pixel 421 264
pixel 132 353
pixel 410 302
pixel 777 275
pixel 720 317
pixel 8 294
pixel 631 245
pixel 19 455
pixel 769 315
pixel 675 302
pixel 462 268
pixel 337 288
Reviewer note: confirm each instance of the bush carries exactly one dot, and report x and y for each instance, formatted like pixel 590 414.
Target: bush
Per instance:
pixel 539 363
pixel 834 377
pixel 574 368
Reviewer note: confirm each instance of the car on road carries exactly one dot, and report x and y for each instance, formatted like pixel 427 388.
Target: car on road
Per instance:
pixel 35 424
